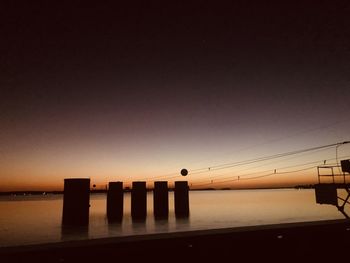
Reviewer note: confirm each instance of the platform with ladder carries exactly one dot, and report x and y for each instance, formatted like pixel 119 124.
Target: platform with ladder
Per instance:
pixel 332 178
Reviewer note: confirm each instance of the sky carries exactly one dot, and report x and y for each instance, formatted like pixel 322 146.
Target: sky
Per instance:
pixel 139 91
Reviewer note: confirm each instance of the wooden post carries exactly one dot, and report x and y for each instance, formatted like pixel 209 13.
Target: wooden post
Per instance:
pixel 160 199
pixel 181 199
pixel 139 200
pixel 76 201
pixel 115 201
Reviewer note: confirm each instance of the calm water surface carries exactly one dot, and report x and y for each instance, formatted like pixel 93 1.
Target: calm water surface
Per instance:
pixel 37 219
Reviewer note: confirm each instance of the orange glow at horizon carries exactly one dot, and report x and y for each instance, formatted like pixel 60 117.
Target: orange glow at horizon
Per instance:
pixel 42 160
pixel 48 174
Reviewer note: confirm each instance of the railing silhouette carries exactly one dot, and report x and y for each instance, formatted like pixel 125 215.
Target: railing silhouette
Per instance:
pixel 327 190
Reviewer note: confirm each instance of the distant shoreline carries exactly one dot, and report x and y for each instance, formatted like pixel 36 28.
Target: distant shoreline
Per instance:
pixel 24 193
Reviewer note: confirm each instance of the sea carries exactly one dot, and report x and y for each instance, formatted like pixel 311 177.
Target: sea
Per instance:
pixel 36 219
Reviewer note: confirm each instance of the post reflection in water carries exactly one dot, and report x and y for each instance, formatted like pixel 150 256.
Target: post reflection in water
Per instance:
pixel 69 233
pixel 37 219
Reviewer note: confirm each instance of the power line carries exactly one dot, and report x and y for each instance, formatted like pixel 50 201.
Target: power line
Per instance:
pixel 249 174
pixel 281 138
pixel 236 176
pixel 247 162
pixel 260 159
pixel 265 164
pixel 258 177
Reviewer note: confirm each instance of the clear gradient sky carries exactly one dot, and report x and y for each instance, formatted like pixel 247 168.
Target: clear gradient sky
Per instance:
pixel 131 92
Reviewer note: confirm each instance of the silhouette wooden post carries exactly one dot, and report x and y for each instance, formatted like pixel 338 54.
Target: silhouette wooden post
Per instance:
pixel 345 166
pixel 160 199
pixel 181 199
pixel 115 201
pixel 76 201
pixel 139 200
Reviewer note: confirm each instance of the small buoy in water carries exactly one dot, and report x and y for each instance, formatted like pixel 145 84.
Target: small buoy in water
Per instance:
pixel 184 172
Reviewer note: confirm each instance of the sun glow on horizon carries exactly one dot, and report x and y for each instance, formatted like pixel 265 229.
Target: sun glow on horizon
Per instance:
pixel 282 171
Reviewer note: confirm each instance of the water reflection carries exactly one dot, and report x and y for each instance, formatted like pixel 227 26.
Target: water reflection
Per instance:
pixel 74 232
pixel 138 226
pixel 115 227
pixel 182 223
pixel 37 221
pixel 161 225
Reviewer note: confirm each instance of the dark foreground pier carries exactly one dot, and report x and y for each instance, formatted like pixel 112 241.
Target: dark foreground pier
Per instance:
pixel 293 242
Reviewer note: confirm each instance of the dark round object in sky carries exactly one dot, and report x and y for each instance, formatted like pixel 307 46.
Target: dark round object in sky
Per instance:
pixel 184 172
pixel 94 186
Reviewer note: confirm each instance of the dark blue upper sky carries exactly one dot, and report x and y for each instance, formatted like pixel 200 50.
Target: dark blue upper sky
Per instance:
pixel 186 74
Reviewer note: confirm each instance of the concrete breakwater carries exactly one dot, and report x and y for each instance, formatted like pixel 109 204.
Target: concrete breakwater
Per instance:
pixel 76 200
